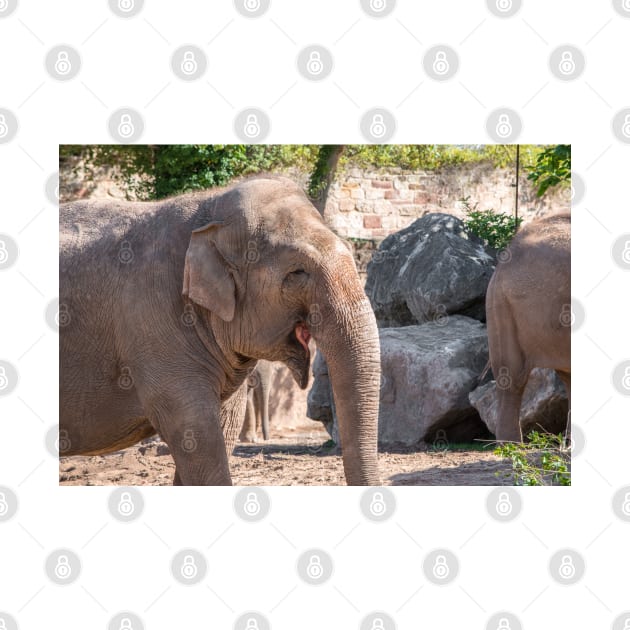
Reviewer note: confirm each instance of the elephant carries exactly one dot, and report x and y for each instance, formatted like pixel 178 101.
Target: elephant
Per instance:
pixel 166 307
pixel 257 413
pixel 528 309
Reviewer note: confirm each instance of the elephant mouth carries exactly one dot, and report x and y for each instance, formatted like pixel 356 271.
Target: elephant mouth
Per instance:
pixel 300 360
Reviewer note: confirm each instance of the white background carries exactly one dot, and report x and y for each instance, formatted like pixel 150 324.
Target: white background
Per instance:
pixel 251 62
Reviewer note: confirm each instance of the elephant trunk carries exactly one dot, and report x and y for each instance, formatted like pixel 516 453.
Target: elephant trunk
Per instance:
pixel 347 336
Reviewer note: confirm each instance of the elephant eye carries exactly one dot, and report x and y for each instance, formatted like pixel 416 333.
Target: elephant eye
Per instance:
pixel 295 279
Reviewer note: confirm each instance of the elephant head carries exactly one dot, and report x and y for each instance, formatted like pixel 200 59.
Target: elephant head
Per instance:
pixel 270 275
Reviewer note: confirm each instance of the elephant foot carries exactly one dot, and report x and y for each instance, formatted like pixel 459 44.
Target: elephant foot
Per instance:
pixel 248 437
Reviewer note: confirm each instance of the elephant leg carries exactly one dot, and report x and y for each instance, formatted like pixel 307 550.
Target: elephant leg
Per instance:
pixel 232 412
pixel 248 430
pixel 508 423
pixel 195 439
pixel 264 409
pixel 565 377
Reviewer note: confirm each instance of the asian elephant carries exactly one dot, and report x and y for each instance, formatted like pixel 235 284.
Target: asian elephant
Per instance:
pixel 257 413
pixel 528 309
pixel 166 306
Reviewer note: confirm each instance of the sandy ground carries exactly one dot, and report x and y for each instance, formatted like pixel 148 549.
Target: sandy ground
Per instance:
pixel 290 458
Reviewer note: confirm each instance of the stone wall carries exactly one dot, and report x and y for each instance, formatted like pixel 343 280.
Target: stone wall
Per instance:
pixel 371 204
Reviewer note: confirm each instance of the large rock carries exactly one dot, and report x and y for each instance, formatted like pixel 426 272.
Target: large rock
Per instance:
pixel 544 406
pixel 432 268
pixel 428 372
pixel 320 403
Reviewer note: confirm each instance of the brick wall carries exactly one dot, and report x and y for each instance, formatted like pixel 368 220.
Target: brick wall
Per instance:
pixel 372 204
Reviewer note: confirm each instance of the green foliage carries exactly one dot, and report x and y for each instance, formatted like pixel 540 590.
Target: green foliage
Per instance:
pixel 158 171
pixel 552 168
pixel 431 157
pixel 542 461
pixel 495 228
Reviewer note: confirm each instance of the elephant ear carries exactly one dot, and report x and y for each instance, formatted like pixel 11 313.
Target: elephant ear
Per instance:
pixel 207 278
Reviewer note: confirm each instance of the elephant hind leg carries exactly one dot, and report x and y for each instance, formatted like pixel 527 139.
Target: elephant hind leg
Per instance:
pixel 509 366
pixel 565 377
pixel 508 422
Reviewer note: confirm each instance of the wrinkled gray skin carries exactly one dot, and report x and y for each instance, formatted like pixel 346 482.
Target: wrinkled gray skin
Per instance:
pixel 528 309
pixel 168 305
pixel 257 412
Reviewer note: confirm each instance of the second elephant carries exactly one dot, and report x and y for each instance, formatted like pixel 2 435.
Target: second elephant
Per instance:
pixel 257 412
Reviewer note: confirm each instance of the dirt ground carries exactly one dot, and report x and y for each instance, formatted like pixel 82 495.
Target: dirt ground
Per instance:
pixel 290 458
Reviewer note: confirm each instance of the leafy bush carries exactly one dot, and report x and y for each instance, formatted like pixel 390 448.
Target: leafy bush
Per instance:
pixel 158 171
pixel 552 167
pixel 495 228
pixel 542 461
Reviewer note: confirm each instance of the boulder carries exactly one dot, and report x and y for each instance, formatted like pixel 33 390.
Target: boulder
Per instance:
pixel 428 371
pixel 544 406
pixel 432 268
pixel 320 403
